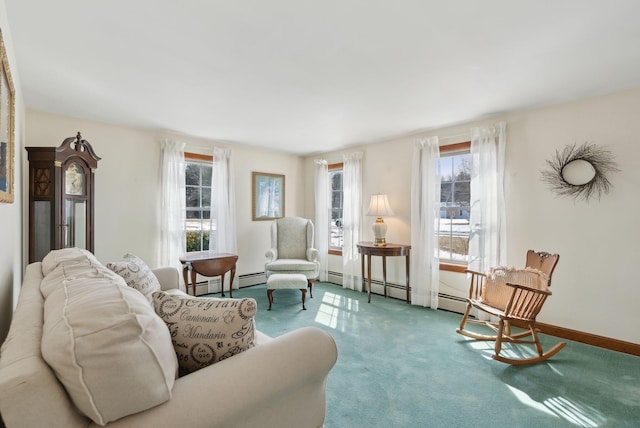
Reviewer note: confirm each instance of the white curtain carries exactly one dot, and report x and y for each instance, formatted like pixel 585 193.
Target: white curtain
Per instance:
pixel 352 213
pixel 323 208
pixel 172 204
pixel 488 241
pixel 223 217
pixel 425 215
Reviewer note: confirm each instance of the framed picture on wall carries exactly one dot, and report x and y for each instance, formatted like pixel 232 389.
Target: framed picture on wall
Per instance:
pixel 267 196
pixel 7 118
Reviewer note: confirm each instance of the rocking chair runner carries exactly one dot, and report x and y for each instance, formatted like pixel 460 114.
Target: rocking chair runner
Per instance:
pixel 512 295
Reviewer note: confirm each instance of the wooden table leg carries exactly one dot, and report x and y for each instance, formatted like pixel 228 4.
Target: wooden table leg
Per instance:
pixel 384 275
pixel 193 282
pixel 310 283
pixel 408 263
pixel 233 275
pixel 364 278
pixel 270 298
pixel 185 276
pixel 369 276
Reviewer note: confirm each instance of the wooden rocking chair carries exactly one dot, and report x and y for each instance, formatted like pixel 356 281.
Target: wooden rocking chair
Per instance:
pixel 513 296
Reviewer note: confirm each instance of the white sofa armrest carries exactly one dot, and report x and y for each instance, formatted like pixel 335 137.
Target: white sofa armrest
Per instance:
pixel 312 254
pixel 280 383
pixel 168 277
pixel 271 254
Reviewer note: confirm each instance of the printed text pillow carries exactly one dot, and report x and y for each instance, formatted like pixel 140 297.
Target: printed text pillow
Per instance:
pixel 136 274
pixel 206 330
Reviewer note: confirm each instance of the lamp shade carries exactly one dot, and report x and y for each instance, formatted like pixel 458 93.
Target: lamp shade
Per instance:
pixel 379 206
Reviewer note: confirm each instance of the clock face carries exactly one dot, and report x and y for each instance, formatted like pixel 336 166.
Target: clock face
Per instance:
pixel 74 180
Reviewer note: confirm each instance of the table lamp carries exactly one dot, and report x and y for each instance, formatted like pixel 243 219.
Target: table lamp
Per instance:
pixel 379 206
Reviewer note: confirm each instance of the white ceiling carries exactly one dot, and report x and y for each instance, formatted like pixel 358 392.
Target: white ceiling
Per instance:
pixel 307 76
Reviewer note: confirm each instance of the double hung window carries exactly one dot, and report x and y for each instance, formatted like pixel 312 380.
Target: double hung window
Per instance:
pixel 198 227
pixel 455 192
pixel 336 236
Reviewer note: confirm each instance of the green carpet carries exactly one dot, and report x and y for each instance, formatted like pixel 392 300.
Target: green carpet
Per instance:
pixel 405 366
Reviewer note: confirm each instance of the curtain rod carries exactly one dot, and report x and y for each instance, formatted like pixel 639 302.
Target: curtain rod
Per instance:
pixel 196 147
pixel 456 136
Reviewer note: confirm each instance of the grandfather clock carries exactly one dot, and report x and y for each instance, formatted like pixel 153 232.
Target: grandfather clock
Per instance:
pixel 61 197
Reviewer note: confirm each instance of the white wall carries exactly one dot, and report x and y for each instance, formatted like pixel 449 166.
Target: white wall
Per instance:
pixel 127 186
pixel 11 214
pixel 595 287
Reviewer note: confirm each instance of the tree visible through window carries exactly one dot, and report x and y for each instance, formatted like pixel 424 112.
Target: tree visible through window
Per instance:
pixel 455 192
pixel 198 198
pixel 336 236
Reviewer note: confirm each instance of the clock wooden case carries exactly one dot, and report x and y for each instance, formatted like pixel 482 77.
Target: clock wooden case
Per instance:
pixel 61 197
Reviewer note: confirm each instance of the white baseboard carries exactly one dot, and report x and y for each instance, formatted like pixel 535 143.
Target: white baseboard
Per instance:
pixel 250 279
pixel 212 285
pixel 451 303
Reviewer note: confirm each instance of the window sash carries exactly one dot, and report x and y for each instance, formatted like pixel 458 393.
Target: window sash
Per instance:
pixel 336 237
pixel 198 197
pixel 453 236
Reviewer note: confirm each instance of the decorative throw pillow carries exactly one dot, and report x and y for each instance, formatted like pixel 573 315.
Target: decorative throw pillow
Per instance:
pixel 496 291
pixel 103 340
pixel 206 330
pixel 136 274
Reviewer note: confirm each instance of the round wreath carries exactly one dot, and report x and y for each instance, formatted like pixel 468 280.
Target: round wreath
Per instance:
pixel 600 159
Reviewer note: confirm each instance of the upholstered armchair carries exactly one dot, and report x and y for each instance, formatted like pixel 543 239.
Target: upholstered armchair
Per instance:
pixel 292 249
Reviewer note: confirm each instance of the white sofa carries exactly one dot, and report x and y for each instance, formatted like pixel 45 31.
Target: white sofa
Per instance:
pixel 278 383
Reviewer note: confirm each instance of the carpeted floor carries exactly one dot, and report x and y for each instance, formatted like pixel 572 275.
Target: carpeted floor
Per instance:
pixel 405 366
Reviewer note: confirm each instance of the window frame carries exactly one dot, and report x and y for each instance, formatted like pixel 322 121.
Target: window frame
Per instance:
pixel 190 157
pixel 336 251
pixel 450 148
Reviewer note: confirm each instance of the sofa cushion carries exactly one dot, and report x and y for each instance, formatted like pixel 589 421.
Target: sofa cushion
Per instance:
pixel 294 265
pixel 103 340
pixel 206 330
pixel 136 274
pixel 68 256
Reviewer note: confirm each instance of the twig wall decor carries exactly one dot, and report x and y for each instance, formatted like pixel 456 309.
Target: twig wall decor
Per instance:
pixel 580 172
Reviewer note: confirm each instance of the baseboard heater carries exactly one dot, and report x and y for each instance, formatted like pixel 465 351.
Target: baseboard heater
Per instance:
pixel 446 302
pixel 336 278
pixel 213 284
pixel 451 303
pixel 249 279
